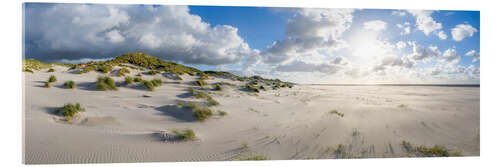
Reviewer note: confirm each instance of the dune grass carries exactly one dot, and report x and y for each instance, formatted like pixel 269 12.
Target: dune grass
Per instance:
pixel 221 113
pixel 149 85
pixel 51 70
pixel 52 78
pixel 87 69
pixel 254 158
pixel 218 87
pixel 106 83
pixel 123 71
pixel 153 72
pixel 70 84
pixel 200 83
pixel 47 84
pixel 251 88
pixel 137 79
pixel 202 95
pixel 156 82
pixel 185 135
pixel 200 112
pixel 423 151
pixel 69 110
pixel 28 70
pixel 337 113
pixel 129 80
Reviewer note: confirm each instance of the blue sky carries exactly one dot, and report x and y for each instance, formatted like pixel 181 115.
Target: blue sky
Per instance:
pixel 296 44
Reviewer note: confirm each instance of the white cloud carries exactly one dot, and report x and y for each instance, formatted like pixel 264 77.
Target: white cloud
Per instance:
pixel 474 54
pixel 450 56
pixel 442 35
pixel 375 25
pixel 299 66
pixel 462 31
pixel 421 53
pixel 73 31
pixel 308 32
pixel 405 27
pixel 424 21
pixel 400 45
pixel 398 12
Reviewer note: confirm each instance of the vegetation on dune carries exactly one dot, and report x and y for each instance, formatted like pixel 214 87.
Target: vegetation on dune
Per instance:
pixel 51 70
pixel 218 87
pixel 46 84
pixel 221 113
pixel 156 82
pixel 87 69
pixel 423 151
pixel 223 74
pixel 200 112
pixel 154 72
pixel 104 68
pixel 106 83
pixel 70 84
pixel 200 83
pixel 28 70
pixel 202 95
pixel 129 80
pixel 137 79
pixel 185 135
pixel 255 158
pixel 69 110
pixel 149 85
pixel 123 71
pixel 337 113
pixel 251 88
pixel 52 78
pixel 30 64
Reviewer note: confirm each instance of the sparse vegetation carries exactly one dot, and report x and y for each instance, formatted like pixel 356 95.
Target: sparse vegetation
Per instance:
pixel 47 84
pixel 52 78
pixel 200 83
pixel 217 87
pixel 201 113
pixel 129 80
pixel 106 83
pixel 149 85
pixel 123 71
pixel 251 88
pixel 153 72
pixel 337 113
pixel 70 84
pixel 137 79
pixel 29 65
pixel 423 151
pixel 51 70
pixel 255 158
pixel 185 135
pixel 104 68
pixel 202 95
pixel 28 70
pixel 156 82
pixel 69 110
pixel 87 69
pixel 221 113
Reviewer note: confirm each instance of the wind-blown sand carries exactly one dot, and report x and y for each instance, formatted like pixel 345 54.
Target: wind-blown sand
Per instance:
pixel 289 123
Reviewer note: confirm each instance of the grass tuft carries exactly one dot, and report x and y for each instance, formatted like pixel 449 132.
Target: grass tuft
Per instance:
pixel 221 113
pixel 104 68
pixel 201 113
pixel 251 88
pixel 51 70
pixel 47 84
pixel 70 84
pixel 106 83
pixel 52 78
pixel 129 80
pixel 202 95
pixel 217 87
pixel 200 83
pixel 185 135
pixel 69 110
pixel 123 71
pixel 337 113
pixel 149 85
pixel 423 151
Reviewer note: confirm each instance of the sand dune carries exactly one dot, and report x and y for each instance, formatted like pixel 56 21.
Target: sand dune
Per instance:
pixel 288 123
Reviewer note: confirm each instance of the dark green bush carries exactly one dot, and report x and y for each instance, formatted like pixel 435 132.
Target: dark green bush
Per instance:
pixel 70 84
pixel 149 85
pixel 106 83
pixel 202 113
pixel 104 68
pixel 137 79
pixel 129 80
pixel 185 135
pixel 251 88
pixel 69 110
pixel 52 78
pixel 51 70
pixel 156 82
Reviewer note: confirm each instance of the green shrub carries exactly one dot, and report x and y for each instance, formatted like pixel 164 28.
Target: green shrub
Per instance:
pixel 51 70
pixel 28 70
pixel 185 135
pixel 153 72
pixel 202 113
pixel 69 110
pixel 106 83
pixel 250 87
pixel 149 85
pixel 70 84
pixel 104 68
pixel 200 83
pixel 47 84
pixel 52 78
pixel 87 69
pixel 156 82
pixel 221 113
pixel 129 80
pixel 218 87
pixel 137 79
pixel 123 71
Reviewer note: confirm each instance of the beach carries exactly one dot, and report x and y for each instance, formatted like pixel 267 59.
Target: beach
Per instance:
pixel 302 122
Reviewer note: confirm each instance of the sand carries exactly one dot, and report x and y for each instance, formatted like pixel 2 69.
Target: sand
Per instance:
pixel 288 123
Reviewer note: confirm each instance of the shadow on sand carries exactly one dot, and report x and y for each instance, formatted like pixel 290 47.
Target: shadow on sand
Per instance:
pixel 181 114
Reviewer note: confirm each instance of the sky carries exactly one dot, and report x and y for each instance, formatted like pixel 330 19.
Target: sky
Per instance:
pixel 301 45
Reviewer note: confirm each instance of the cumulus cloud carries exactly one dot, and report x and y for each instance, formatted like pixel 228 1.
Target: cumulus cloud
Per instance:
pixel 73 31
pixel 400 45
pixel 299 66
pixel 405 27
pixel 309 31
pixel 474 54
pixel 420 53
pixel 398 13
pixel 375 25
pixel 450 56
pixel 424 21
pixel 462 31
pixel 442 35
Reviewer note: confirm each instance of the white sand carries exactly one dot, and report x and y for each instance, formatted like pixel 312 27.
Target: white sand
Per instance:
pixel 120 126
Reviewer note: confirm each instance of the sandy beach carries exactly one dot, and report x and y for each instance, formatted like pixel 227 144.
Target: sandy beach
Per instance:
pixel 282 124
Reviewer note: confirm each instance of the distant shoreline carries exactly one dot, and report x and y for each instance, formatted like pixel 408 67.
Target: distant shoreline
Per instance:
pixel 440 85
